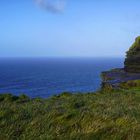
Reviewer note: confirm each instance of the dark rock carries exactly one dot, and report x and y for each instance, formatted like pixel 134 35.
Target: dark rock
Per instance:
pixel 132 61
pixel 115 78
pixel 126 77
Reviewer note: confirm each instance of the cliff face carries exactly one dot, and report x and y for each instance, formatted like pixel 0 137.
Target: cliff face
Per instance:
pixel 132 61
pixel 126 77
pixel 119 78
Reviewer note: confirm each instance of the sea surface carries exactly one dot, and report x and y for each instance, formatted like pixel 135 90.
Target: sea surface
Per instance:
pixel 44 77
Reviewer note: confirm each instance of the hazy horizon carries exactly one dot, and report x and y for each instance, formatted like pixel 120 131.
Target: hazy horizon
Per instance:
pixel 62 57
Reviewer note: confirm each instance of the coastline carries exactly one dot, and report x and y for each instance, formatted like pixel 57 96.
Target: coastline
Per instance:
pixel 110 113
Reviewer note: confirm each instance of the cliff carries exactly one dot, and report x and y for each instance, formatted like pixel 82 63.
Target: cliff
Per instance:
pixel 103 115
pixel 132 61
pixel 127 77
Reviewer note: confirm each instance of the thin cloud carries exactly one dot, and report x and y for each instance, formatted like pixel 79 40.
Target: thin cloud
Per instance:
pixel 54 6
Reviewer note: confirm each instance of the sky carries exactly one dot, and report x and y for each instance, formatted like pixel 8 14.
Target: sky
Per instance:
pixel 68 28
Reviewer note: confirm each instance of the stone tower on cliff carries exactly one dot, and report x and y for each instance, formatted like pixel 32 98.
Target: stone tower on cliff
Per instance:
pixel 132 61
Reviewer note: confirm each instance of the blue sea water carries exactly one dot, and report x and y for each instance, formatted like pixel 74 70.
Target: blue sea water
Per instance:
pixel 44 77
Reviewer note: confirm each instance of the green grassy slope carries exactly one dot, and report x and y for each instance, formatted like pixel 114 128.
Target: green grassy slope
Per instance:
pixel 99 116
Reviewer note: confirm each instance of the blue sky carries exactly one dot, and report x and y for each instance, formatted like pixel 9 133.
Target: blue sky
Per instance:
pixel 85 28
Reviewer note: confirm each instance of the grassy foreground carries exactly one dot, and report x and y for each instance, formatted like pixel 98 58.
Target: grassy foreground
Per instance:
pixel 113 115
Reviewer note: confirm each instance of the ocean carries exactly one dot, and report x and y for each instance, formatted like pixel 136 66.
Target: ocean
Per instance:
pixel 44 77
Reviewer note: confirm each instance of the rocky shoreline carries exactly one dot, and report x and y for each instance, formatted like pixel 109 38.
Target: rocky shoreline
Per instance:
pixel 126 77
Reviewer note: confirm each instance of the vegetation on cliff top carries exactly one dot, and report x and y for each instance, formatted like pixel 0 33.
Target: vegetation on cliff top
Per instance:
pixel 127 77
pixel 105 115
pixel 99 116
pixel 132 61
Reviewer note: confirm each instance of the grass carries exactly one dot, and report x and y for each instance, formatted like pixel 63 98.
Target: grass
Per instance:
pixel 113 115
pixel 131 84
